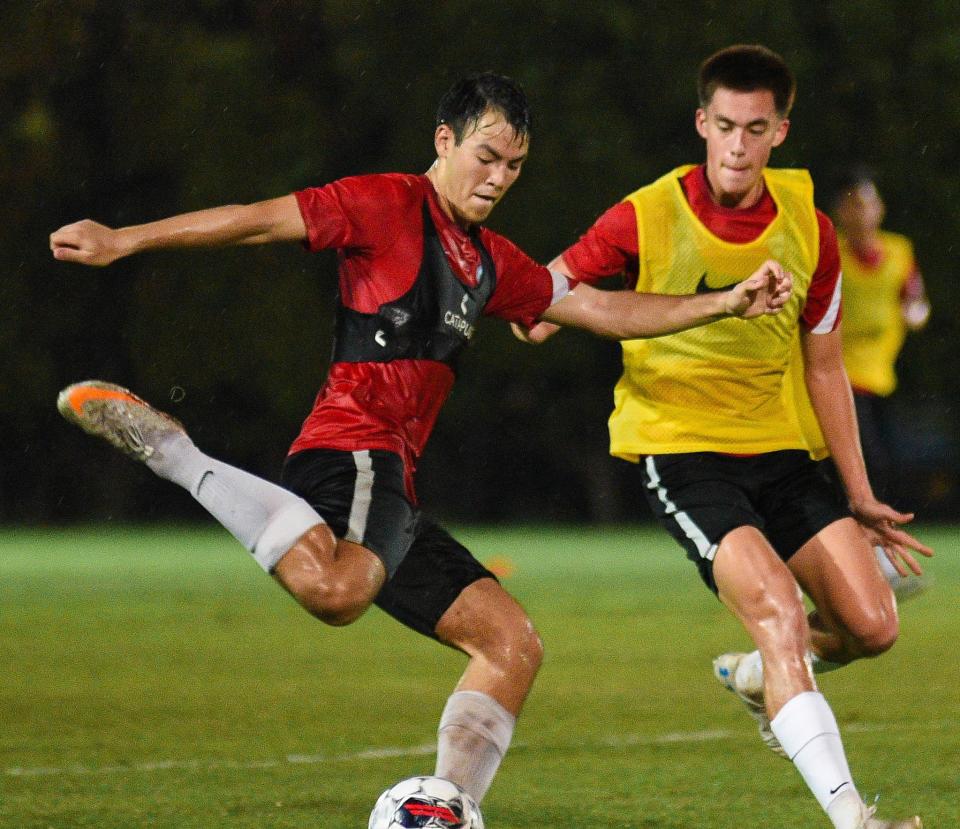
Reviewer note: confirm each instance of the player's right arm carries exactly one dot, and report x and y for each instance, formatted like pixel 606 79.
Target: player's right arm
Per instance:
pixel 91 243
pixel 542 331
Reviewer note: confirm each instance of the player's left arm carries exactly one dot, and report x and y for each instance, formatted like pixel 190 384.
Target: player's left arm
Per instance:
pixel 627 315
pixel 832 401
pixel 914 305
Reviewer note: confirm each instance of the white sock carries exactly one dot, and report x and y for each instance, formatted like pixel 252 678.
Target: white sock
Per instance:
pixel 886 567
pixel 264 517
pixel 808 732
pixel 474 734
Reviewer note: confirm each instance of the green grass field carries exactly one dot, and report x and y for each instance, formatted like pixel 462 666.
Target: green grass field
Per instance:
pixel 156 678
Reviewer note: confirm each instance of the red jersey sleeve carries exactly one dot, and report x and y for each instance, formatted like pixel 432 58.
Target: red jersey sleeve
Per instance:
pixel 524 289
pixel 822 311
pixel 608 248
pixel 355 212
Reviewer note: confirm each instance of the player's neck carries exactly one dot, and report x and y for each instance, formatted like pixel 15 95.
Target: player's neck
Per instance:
pixel 864 243
pixel 734 200
pixel 445 204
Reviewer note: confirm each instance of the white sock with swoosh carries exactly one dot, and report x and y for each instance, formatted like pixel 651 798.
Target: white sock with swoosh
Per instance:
pixel 808 732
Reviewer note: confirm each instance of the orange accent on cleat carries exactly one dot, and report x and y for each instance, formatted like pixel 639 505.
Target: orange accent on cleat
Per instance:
pixel 79 395
pixel 118 416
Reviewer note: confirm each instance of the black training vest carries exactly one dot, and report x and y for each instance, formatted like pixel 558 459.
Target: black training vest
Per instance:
pixel 434 320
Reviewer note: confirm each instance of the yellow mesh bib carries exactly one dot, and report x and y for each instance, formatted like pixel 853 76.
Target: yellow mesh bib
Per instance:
pixel 873 328
pixel 718 387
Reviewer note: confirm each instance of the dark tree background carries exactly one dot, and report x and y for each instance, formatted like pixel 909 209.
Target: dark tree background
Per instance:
pixel 130 111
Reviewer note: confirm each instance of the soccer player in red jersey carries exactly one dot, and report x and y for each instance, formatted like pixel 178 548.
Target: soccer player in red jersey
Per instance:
pixel 416 272
pixel 723 443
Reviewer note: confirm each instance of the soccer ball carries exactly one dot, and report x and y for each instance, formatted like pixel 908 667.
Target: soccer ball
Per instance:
pixel 426 803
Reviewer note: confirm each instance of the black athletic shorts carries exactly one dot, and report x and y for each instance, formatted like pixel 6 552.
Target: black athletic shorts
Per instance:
pixel 361 496
pixel 701 496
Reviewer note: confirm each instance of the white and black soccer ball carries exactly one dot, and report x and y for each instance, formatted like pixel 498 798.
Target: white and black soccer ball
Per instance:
pixel 425 803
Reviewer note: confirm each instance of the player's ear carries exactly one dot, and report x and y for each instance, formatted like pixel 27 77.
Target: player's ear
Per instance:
pixel 781 134
pixel 701 121
pixel 443 140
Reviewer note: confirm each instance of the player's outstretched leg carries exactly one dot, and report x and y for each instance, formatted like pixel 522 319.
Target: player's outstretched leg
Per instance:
pixel 267 519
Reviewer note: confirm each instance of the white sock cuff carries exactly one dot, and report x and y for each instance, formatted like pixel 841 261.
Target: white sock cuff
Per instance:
pixel 804 717
pixel 283 531
pixel 481 714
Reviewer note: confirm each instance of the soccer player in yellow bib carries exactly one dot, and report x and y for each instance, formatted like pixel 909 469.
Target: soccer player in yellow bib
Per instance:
pixel 724 458
pixel 883 299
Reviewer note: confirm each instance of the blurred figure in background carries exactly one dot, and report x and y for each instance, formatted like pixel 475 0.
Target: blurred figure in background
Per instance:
pixel 884 298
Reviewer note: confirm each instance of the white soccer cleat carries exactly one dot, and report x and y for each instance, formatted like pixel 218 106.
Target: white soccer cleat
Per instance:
pixel 870 822
pixel 118 416
pixel 725 670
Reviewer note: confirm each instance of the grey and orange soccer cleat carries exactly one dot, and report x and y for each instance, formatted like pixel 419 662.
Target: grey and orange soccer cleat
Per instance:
pixel 118 416
pixel 725 670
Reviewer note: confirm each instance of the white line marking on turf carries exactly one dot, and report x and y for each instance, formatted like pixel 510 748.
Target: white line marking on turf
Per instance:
pixel 675 737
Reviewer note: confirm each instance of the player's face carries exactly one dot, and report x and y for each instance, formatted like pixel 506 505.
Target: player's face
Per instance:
pixel 741 129
pixel 860 211
pixel 472 176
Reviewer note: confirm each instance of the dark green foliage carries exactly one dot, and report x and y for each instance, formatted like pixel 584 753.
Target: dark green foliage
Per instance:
pixel 125 112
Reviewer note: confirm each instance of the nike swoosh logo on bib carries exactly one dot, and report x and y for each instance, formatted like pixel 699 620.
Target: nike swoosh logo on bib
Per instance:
pixel 704 288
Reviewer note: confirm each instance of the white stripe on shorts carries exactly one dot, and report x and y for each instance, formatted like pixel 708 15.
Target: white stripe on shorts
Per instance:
pixel 690 529
pixel 362 498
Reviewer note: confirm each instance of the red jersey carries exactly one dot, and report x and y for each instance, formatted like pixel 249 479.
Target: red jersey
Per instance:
pixel 610 246
pixel 376 224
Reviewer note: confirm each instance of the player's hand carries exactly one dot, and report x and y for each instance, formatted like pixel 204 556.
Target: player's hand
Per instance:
pixel 535 335
pixel 87 243
pixel 883 523
pixel 766 291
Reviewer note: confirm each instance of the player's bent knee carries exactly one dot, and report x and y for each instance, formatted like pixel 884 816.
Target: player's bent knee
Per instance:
pixel 332 580
pixel 875 633
pixel 337 604
pixel 518 649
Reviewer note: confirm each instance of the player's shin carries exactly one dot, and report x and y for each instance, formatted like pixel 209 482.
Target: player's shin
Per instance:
pixel 474 734
pixel 262 516
pixel 808 732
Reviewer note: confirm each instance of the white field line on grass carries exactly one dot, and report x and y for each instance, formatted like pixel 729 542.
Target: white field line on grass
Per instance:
pixel 675 737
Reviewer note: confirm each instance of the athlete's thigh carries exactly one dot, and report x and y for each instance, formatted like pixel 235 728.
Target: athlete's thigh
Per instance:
pixel 699 497
pixel 483 617
pixel 752 580
pixel 797 501
pixel 838 570
pixel 361 495
pixel 435 571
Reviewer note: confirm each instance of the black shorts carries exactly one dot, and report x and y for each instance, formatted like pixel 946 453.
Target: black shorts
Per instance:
pixel 701 496
pixel 361 496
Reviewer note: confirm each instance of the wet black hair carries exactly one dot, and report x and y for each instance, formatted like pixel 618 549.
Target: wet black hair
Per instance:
pixel 747 68
pixel 466 101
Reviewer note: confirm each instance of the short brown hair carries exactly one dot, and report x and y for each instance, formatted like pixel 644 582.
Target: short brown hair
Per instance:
pixel 747 68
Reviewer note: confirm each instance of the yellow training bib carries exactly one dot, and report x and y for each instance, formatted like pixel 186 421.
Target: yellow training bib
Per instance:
pixel 873 329
pixel 716 388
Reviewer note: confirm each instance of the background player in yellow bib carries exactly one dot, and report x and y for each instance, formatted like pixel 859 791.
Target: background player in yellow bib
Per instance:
pixel 883 299
pixel 724 457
